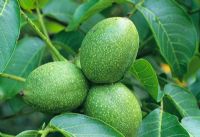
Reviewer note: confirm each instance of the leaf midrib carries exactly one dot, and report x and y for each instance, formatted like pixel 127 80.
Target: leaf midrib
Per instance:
pixel 27 63
pixel 181 111
pixel 165 32
pixel 4 6
pixel 160 123
pixel 11 55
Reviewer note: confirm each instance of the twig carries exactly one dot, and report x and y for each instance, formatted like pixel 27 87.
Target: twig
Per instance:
pixel 53 50
pixel 13 77
pixel 42 22
pixel 46 131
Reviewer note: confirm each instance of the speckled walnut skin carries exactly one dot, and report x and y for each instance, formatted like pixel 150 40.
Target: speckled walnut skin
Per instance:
pixel 109 49
pixel 55 87
pixel 116 105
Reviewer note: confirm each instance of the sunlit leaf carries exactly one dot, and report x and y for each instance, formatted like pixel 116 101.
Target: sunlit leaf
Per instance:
pixel 192 125
pixel 62 10
pixel 26 58
pixel 173 31
pixel 161 124
pixel 89 8
pixel 80 125
pixel 184 102
pixel 9 30
pixel 144 72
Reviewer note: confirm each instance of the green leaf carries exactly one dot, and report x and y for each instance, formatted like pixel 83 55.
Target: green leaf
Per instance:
pixel 161 124
pixel 89 8
pixel 27 4
pixel 196 3
pixel 5 135
pixel 196 19
pixel 134 1
pixel 192 125
pixel 145 73
pixel 26 58
pixel 141 25
pixel 184 102
pixel 62 10
pixel 80 125
pixel 16 104
pixel 193 67
pixel 53 27
pixel 1 94
pixel 87 25
pixel 72 39
pixel 173 31
pixel 28 133
pixel 9 30
pixel 31 4
pixel 195 86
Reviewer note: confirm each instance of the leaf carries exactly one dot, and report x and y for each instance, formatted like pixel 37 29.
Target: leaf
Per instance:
pixel 72 39
pixel 80 125
pixel 1 94
pixel 27 4
pixel 16 104
pixel 26 58
pixel 196 3
pixel 89 8
pixel 5 135
pixel 141 25
pixel 183 101
pixel 144 72
pixel 173 31
pixel 134 1
pixel 62 10
pixel 195 86
pixel 193 67
pixel 31 4
pixel 59 11
pixel 192 125
pixel 53 27
pixel 9 30
pixel 87 25
pixel 28 133
pixel 161 124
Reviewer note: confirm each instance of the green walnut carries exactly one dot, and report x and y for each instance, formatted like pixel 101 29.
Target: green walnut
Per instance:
pixel 55 87
pixel 116 105
pixel 109 49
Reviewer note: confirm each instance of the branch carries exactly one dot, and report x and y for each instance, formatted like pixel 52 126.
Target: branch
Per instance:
pixel 42 22
pixel 53 50
pixel 13 77
pixel 46 131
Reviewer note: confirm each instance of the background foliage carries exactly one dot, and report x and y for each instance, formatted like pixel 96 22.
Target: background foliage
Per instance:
pixel 165 77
